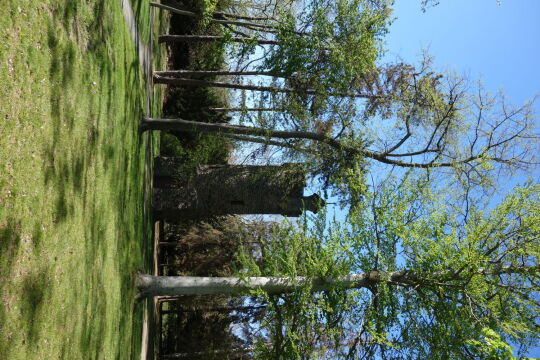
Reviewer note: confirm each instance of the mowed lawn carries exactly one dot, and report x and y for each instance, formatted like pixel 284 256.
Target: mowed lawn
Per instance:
pixel 72 164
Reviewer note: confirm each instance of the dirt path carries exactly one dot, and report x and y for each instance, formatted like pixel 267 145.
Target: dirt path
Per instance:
pixel 144 52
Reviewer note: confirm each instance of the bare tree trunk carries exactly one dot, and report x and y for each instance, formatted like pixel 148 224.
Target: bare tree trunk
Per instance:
pixel 173 73
pixel 246 24
pixel 196 82
pixel 215 309
pixel 149 285
pixel 194 126
pixel 229 15
pixel 239 109
pixel 193 82
pixel 211 38
pixel 243 17
pixel 238 130
pixel 265 141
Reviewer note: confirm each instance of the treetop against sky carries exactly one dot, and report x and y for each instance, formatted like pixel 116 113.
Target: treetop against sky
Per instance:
pixel 441 97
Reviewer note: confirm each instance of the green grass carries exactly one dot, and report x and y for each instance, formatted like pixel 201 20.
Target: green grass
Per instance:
pixel 71 181
pixel 142 11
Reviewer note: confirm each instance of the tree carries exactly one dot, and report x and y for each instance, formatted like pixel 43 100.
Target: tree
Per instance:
pixel 315 48
pixel 405 277
pixel 232 189
pixel 411 117
pixel 328 106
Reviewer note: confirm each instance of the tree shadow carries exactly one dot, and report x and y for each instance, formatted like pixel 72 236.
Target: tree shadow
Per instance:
pixel 10 239
pixel 36 287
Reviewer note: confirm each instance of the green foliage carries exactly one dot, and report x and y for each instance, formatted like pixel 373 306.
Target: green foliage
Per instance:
pixel 202 149
pixel 193 103
pixel 463 277
pixel 340 42
pixel 297 323
pixel 324 47
pixel 207 9
pixel 445 310
pixel 491 347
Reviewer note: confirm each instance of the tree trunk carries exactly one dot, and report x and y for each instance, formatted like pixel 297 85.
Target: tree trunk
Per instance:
pixel 236 130
pixel 216 128
pixel 216 309
pixel 229 15
pixel 266 141
pixel 173 73
pixel 239 109
pixel 149 285
pixel 195 82
pixel 211 38
pixel 235 189
pixel 217 21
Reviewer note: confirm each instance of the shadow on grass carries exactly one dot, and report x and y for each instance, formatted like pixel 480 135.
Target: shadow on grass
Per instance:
pixel 35 288
pixel 10 239
pixel 65 172
pixel 94 323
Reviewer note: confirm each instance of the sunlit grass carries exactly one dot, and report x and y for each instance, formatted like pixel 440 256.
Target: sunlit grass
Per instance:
pixel 71 181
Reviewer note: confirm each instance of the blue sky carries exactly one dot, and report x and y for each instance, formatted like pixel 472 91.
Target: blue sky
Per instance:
pixel 498 43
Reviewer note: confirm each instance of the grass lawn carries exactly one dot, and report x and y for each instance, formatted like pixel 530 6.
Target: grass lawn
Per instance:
pixel 71 180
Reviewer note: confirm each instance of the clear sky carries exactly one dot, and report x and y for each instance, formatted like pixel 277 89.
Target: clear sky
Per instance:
pixel 496 41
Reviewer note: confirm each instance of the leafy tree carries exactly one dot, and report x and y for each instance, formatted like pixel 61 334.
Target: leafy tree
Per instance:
pixel 328 106
pixel 404 277
pixel 491 347
pixel 314 48
pixel 411 117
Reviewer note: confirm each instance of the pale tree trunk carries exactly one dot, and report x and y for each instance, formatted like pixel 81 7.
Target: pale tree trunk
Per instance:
pixel 179 73
pixel 223 128
pixel 246 24
pixel 223 14
pixel 238 130
pixel 212 38
pixel 159 79
pixel 149 285
pixel 241 109
pixel 204 83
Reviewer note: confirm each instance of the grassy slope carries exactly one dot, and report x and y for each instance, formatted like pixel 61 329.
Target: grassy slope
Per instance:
pixel 71 189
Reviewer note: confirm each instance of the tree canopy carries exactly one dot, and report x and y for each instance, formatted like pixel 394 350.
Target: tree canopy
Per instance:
pixel 322 96
pixel 436 282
